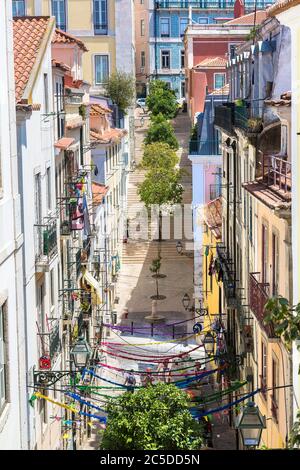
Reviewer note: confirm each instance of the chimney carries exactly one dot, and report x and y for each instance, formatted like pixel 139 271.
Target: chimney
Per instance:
pixel 239 8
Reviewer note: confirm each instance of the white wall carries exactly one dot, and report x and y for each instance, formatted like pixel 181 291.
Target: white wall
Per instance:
pixel 13 415
pixel 36 153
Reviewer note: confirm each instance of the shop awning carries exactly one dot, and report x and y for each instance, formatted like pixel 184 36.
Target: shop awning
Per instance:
pixel 96 295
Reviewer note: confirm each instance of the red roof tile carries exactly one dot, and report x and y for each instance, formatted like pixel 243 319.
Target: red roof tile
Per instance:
pixel 249 19
pixel 112 135
pixel 28 35
pixel 212 62
pixel 60 65
pixel 60 37
pixel 99 191
pixel 64 143
pixel 98 109
pixel 281 6
pixel 213 216
pixel 221 91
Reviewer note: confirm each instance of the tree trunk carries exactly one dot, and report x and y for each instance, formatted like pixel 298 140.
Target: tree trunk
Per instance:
pixel 160 226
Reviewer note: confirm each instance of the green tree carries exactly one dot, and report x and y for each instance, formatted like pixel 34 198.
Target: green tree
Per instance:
pixel 153 418
pixel 159 156
pixel 120 87
pixel 161 130
pixel 161 100
pixel 161 187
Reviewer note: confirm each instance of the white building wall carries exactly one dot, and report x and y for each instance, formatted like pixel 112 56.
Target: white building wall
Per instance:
pixel 13 414
pixel 36 154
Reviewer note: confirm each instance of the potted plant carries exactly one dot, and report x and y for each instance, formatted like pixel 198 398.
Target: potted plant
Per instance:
pixel 254 125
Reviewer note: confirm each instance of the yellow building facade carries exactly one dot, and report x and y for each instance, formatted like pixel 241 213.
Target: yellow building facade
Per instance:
pixel 79 18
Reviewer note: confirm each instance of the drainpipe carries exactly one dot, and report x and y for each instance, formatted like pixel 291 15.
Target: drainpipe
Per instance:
pixel 156 6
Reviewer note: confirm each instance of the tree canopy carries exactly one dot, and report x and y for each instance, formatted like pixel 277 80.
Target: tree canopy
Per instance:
pixel 161 186
pixel 159 155
pixel 153 418
pixel 121 89
pixel 161 130
pixel 161 100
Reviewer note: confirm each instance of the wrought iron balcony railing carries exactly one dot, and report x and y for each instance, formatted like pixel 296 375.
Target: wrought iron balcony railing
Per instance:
pixel 228 275
pixel 50 342
pixel 250 5
pixel 258 297
pixel 204 147
pixel 224 117
pixel 45 243
pixel 277 173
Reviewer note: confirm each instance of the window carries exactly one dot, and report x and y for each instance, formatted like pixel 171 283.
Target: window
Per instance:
pixel 48 183
pixel 183 22
pixel 143 59
pixel 18 7
pixel 183 89
pixel 168 85
pixel 100 17
pixel 203 20
pixel 165 27
pixel 264 254
pixel 3 372
pixel 232 48
pixel 275 271
pixel 46 93
pixel 263 375
pixel 165 59
pixel 182 59
pixel 58 8
pixel 38 199
pixel 275 391
pixel 52 297
pixel 101 69
pixel 142 27
pixel 219 80
pixel 59 108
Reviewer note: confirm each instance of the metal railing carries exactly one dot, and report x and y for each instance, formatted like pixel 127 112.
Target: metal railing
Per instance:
pixel 204 147
pixel 46 240
pixel 274 408
pixel 276 172
pixel 263 386
pixel 259 293
pixel 50 342
pixel 211 4
pixel 224 116
pixel 229 282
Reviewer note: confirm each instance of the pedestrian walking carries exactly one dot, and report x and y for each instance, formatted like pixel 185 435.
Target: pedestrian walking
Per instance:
pixel 130 381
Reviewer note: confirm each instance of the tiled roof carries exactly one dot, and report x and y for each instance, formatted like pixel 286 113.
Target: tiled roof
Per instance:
pixel 212 62
pixel 281 6
pixel 221 91
pixel 99 191
pixel 213 216
pixel 64 143
pixel 112 135
pixel 99 110
pixel 29 33
pixel 60 65
pixel 60 37
pixel 249 19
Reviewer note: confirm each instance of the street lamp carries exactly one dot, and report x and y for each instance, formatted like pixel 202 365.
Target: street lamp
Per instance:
pixel 209 343
pixel 251 423
pixel 186 301
pixel 81 353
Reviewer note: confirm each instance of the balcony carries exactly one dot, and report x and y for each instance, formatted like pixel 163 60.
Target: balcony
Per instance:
pixel 46 244
pixel 228 276
pixel 224 117
pixel 277 173
pixel 204 147
pixel 50 343
pixel 250 5
pixel 258 297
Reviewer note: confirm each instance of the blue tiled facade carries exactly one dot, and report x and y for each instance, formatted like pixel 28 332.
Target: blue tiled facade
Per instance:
pixel 168 19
